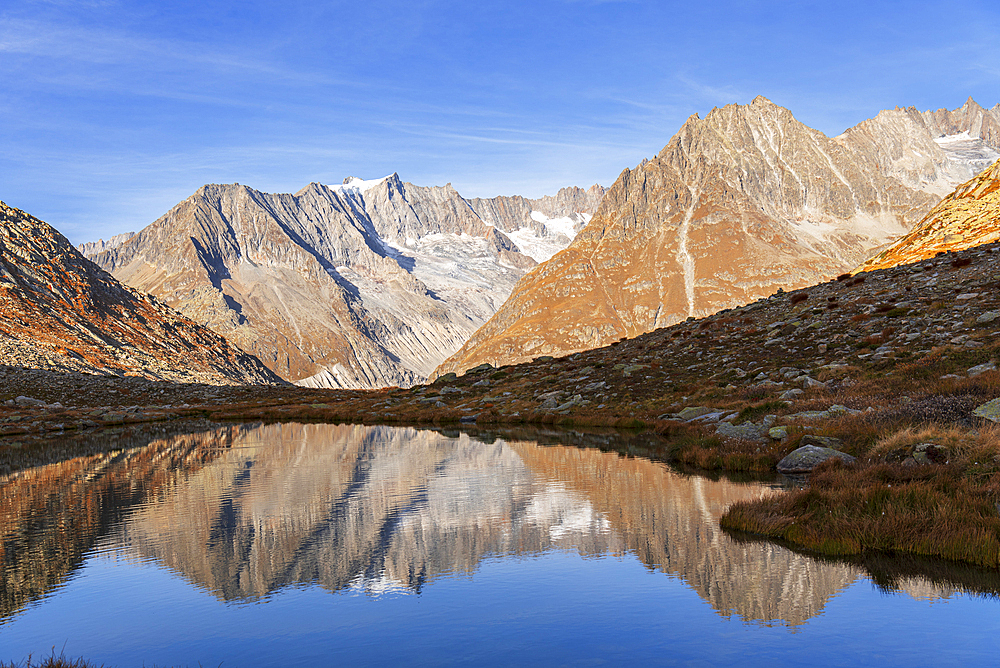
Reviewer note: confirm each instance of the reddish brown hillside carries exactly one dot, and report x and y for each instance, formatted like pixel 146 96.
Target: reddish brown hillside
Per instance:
pixel 58 310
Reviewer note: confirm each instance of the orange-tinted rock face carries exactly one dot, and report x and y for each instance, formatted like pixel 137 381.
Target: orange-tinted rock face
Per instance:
pixel 58 310
pixel 968 217
pixel 737 205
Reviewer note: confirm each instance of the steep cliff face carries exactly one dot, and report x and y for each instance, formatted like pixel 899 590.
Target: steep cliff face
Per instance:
pixel 968 217
pixel 366 284
pixel 737 205
pixel 60 311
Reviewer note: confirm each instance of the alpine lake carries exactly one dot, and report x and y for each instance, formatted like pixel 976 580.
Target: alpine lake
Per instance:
pixel 347 545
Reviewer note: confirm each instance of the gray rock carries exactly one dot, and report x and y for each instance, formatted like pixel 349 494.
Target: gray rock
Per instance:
pixel 791 395
pixel 808 457
pixel 989 411
pixel 988 317
pixel 982 368
pixel 778 433
pixel 28 401
pixel 746 432
pixel 549 404
pixel 577 399
pixel 710 418
pixel 810 383
pixel 692 412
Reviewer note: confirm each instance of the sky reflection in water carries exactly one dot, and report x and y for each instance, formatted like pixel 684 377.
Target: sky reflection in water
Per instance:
pixel 319 544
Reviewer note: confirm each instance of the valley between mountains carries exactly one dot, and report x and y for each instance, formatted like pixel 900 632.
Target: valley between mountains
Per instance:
pixel 755 288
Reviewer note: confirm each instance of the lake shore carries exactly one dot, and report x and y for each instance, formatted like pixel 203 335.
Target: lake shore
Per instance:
pixel 892 366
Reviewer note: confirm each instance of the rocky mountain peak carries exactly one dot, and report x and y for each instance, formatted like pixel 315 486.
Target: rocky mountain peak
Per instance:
pixel 735 206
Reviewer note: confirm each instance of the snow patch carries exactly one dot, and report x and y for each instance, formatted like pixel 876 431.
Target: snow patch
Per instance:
pixel 558 232
pixel 966 148
pixel 568 226
pixel 354 185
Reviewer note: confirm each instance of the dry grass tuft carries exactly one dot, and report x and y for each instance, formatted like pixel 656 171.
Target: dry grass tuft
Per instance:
pixel 925 510
pixel 962 443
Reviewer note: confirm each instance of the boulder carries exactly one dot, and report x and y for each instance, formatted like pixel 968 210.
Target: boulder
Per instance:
pixel 982 368
pixel 746 432
pixel 808 457
pixel 989 411
pixel 29 401
pixel 692 412
pixel 811 383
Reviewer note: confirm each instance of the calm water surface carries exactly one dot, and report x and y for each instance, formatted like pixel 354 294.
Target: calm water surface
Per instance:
pixel 349 545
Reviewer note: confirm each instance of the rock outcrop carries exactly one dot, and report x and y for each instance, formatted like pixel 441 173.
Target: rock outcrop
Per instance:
pixel 739 204
pixel 968 217
pixel 366 284
pixel 59 311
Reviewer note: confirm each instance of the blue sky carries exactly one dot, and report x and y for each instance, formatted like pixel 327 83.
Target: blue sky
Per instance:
pixel 113 111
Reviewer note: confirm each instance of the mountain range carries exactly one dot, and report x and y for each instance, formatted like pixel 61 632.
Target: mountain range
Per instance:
pixel 737 205
pixel 359 285
pixel 379 283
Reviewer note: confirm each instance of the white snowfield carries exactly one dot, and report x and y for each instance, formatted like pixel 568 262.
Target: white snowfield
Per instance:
pixel 559 232
pixel 353 184
pixel 973 151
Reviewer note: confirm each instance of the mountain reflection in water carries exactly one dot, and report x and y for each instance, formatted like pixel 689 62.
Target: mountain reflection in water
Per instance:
pixel 243 511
